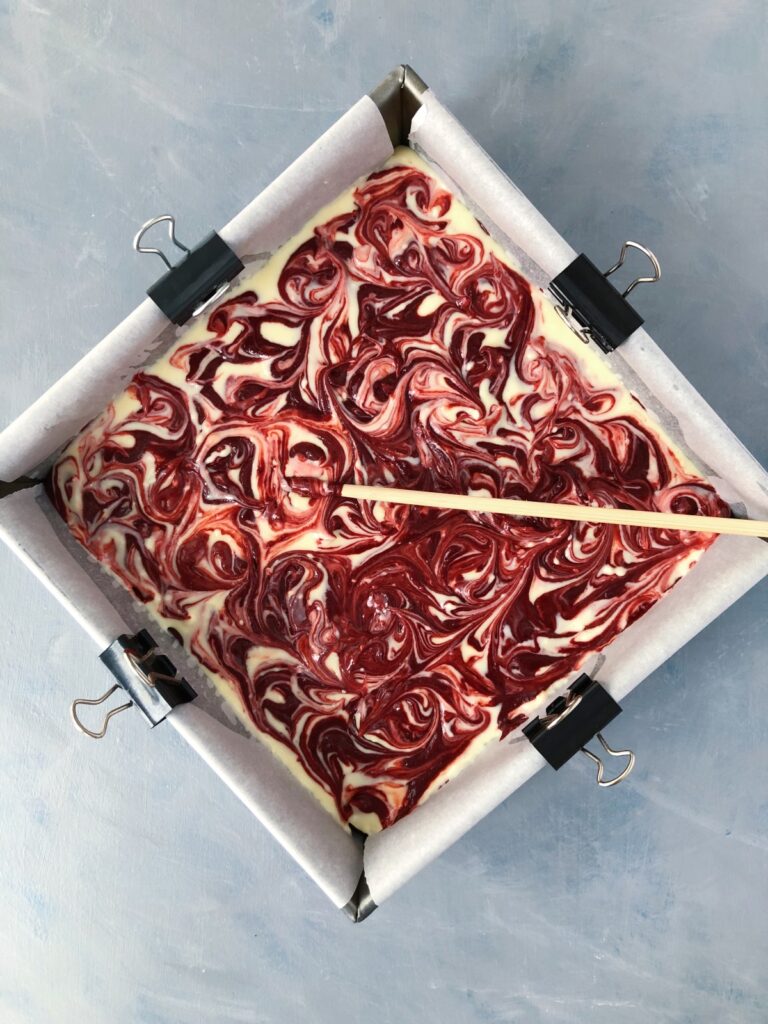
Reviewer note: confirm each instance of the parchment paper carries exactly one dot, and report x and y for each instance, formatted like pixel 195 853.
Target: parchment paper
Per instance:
pixel 331 856
pixel 356 144
pixel 726 571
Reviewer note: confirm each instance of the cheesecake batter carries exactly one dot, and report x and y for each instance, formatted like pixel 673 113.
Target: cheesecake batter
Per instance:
pixel 375 647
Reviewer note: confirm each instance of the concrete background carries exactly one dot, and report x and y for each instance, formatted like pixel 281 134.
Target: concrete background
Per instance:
pixel 133 886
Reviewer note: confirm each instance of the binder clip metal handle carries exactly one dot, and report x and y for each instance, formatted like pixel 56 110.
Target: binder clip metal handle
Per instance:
pixel 197 280
pixel 93 703
pixel 601 781
pixel 656 276
pixel 164 217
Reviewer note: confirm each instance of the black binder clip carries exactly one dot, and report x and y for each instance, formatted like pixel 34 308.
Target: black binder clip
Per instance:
pixel 197 280
pixel 571 721
pixel 148 677
pixel 592 307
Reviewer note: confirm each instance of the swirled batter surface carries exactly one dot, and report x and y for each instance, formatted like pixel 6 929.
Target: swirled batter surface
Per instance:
pixel 376 647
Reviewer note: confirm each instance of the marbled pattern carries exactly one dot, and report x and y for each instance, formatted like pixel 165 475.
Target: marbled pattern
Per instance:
pixel 375 647
pixel 618 121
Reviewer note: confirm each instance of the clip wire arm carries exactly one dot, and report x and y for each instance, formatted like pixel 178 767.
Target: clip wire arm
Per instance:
pixel 93 702
pixel 600 779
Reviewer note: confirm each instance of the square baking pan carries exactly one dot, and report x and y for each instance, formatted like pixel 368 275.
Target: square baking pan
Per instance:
pixel 358 873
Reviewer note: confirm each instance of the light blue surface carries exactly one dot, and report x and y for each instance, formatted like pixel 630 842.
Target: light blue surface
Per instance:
pixel 133 886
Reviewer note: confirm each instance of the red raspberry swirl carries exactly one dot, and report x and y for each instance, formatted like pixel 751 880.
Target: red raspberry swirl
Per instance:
pixel 377 642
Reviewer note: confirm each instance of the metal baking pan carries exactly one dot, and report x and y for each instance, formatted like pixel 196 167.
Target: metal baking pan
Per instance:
pixel 357 875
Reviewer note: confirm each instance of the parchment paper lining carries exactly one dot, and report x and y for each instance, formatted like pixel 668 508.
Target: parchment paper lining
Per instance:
pixel 356 144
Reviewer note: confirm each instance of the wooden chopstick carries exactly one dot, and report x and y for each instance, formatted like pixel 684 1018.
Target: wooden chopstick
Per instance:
pixel 551 510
